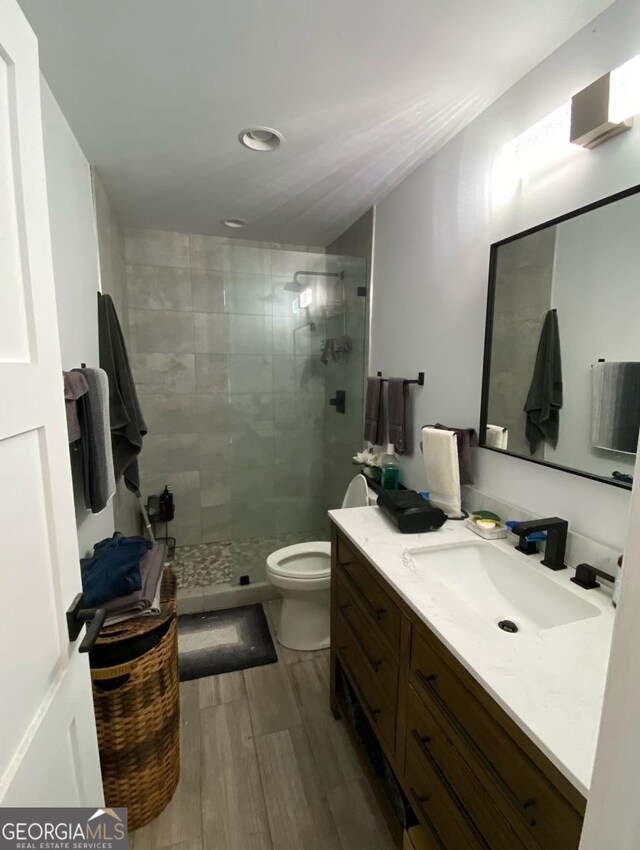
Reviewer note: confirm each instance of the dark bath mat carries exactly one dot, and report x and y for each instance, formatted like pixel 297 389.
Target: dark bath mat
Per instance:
pixel 215 642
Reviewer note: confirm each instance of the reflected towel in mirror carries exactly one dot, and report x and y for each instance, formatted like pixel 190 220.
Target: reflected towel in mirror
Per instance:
pixel 615 406
pixel 544 400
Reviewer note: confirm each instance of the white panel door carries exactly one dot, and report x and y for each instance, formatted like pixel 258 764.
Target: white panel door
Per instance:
pixel 48 746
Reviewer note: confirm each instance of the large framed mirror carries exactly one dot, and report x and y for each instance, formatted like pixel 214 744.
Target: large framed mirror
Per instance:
pixel 561 379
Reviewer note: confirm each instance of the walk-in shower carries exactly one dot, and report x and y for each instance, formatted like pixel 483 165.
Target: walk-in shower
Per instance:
pixel 237 399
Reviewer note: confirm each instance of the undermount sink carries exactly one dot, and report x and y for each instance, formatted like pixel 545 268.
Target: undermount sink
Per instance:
pixel 500 587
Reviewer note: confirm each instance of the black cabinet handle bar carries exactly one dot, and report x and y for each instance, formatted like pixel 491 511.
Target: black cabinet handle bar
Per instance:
pixel 422 743
pixel 376 613
pixel 419 800
pixel 524 809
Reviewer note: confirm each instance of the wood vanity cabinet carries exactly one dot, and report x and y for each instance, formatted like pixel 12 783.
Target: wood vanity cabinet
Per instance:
pixel 472 777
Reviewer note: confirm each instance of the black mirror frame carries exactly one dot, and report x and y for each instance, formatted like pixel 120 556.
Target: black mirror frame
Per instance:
pixel 488 335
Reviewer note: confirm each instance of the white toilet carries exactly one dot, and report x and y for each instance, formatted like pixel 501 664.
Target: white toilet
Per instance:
pixel 302 574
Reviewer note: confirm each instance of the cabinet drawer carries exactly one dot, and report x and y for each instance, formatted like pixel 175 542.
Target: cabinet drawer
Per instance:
pixel 436 805
pixel 380 708
pixel 381 661
pixel 516 785
pixel 379 606
pixel 424 733
pixel 417 838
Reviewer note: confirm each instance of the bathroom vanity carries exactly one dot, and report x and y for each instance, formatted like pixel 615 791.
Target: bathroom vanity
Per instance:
pixel 490 734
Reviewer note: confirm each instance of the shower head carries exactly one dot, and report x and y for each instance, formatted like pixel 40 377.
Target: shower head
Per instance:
pixel 293 286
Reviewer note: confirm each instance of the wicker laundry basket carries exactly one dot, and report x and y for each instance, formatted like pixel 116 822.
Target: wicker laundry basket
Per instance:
pixel 137 708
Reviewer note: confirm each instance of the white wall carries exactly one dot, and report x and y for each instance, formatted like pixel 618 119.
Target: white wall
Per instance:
pixel 432 241
pixel 75 267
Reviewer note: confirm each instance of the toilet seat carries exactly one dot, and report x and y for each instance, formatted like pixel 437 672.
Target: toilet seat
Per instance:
pixel 302 561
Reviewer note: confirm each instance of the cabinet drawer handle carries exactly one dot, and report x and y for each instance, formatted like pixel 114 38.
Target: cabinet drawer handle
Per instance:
pixel 525 809
pixel 422 742
pixel 376 613
pixel 420 800
pixel 374 712
pixel 374 663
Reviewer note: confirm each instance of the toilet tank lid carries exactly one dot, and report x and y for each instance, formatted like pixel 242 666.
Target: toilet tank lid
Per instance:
pixel 357 495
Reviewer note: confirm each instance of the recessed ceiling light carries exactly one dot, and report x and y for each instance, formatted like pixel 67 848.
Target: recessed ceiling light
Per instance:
pixel 233 222
pixel 260 138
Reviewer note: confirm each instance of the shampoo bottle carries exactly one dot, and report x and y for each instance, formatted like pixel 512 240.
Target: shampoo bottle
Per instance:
pixel 390 469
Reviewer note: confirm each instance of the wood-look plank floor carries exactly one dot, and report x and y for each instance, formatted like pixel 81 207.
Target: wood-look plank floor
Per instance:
pixel 266 767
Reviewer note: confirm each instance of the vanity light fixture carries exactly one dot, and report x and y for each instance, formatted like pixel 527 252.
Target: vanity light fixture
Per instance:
pixel 624 98
pixel 233 222
pixel 606 107
pixel 260 139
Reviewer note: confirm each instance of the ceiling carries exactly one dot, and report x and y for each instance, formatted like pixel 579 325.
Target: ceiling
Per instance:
pixel 156 91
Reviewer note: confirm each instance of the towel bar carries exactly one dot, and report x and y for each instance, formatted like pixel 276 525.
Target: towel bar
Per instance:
pixel 419 380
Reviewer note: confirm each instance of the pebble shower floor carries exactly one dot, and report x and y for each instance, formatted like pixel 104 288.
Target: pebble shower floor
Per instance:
pixel 224 562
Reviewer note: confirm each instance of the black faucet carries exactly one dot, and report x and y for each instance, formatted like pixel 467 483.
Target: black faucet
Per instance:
pixel 586 576
pixel 556 545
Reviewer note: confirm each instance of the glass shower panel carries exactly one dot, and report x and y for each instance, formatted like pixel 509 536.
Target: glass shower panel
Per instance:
pixel 294 460
pixel 276 466
pixel 345 324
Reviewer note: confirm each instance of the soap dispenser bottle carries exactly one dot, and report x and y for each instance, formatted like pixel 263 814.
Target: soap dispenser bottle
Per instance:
pixel 165 504
pixel 390 469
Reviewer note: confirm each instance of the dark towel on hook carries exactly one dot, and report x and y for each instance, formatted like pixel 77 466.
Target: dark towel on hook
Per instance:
pixel 374 424
pixel 399 416
pixel 127 423
pixel 544 401
pixel 466 439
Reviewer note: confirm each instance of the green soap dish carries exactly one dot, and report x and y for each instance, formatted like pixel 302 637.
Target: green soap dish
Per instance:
pixel 487 533
pixel 486 515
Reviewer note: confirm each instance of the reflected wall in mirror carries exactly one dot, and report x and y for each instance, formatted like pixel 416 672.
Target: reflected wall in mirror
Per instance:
pixel 561 383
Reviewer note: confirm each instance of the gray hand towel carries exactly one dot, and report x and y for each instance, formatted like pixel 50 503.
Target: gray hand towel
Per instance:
pixel 97 459
pixel 544 401
pixel 151 569
pixel 374 424
pixel 127 423
pixel 466 439
pixel 75 386
pixel 399 415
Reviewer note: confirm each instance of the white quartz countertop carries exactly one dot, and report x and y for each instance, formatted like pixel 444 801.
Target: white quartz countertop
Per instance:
pixel 550 682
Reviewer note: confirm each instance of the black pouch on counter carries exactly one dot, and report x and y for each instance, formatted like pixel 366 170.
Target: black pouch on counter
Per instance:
pixel 410 512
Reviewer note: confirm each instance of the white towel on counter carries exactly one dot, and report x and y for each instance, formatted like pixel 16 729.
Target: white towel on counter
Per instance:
pixel 440 453
pixel 497 437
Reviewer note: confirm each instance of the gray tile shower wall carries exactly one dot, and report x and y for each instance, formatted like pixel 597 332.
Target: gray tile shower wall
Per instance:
pixel 230 385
